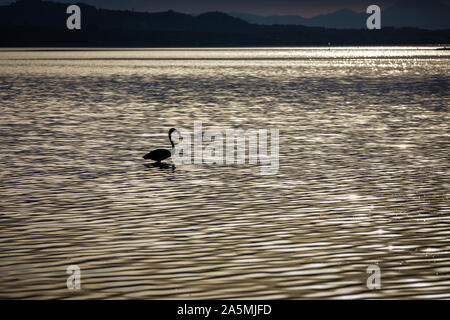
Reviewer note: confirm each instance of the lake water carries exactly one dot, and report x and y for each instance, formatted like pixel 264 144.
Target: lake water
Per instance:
pixel 363 177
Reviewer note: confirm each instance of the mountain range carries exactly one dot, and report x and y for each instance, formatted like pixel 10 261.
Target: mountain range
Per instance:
pixel 431 15
pixel 43 23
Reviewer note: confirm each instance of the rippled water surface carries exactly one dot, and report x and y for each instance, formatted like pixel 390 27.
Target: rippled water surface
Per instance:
pixel 363 177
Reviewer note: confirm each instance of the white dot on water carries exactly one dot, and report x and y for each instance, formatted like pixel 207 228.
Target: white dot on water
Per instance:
pixel 352 197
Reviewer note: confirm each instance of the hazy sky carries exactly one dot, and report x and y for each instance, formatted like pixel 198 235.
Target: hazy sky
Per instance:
pixel 306 8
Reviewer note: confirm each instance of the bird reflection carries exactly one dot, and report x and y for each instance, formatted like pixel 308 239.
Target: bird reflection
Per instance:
pixel 161 165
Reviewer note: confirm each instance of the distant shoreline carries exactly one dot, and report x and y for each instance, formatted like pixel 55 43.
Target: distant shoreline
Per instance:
pixel 43 24
pixel 144 48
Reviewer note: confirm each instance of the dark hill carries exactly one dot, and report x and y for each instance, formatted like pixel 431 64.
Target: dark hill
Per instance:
pixel 429 14
pixel 42 23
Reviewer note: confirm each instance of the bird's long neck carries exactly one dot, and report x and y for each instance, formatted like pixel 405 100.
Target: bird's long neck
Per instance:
pixel 171 142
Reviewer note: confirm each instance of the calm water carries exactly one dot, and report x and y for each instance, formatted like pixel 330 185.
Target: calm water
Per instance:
pixel 363 178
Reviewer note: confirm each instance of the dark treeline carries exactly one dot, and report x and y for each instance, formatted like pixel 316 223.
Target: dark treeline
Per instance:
pixel 36 23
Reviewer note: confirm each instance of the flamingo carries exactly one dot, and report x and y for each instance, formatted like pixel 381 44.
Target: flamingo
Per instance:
pixel 159 155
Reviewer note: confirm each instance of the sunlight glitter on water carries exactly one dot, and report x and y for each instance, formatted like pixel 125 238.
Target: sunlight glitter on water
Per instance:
pixel 363 175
